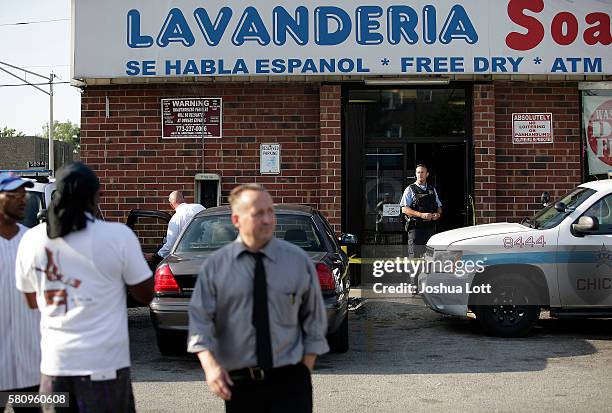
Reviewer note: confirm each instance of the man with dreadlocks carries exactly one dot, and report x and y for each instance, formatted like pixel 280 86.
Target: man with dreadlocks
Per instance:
pixel 75 270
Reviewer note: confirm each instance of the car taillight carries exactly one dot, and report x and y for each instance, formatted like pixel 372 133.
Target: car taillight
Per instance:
pixel 326 277
pixel 164 280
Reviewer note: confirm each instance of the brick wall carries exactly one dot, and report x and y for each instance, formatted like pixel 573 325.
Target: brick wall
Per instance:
pixel 138 169
pixel 483 134
pixel 523 172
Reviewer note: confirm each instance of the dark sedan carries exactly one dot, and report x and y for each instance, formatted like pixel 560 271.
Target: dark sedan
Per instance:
pixel 210 230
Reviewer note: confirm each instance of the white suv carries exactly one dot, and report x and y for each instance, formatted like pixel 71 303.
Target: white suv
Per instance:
pixel 561 260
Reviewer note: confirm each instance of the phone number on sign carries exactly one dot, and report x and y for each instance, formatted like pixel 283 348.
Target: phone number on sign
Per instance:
pixel 31 399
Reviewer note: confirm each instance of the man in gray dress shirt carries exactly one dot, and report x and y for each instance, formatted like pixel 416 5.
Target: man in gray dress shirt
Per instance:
pixel 257 319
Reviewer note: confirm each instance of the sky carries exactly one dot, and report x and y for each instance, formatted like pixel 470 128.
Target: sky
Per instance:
pixel 42 48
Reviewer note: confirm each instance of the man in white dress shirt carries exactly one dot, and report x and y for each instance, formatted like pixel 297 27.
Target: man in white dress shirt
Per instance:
pixel 183 212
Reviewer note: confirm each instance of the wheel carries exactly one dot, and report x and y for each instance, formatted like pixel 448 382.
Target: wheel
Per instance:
pixel 510 310
pixel 338 341
pixel 170 343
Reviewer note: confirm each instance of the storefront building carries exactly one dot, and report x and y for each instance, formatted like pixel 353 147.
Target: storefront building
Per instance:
pixel 333 106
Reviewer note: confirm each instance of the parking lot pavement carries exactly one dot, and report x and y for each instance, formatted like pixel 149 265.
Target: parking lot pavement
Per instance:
pixel 404 357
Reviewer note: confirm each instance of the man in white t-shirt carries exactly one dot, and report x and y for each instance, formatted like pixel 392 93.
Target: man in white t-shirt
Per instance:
pixel 183 212
pixel 75 270
pixel 19 325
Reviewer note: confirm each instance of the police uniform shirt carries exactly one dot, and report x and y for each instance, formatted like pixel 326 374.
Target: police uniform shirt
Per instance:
pixel 408 195
pixel 221 308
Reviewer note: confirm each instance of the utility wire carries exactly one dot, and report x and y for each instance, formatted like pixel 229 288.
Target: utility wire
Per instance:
pixel 37 84
pixel 33 22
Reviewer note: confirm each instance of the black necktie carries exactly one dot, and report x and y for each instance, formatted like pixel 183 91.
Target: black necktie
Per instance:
pixel 260 314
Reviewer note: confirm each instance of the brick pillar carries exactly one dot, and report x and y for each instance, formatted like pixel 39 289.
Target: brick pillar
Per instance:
pixel 484 153
pixel 330 196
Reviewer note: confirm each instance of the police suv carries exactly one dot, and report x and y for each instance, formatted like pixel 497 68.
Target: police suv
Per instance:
pixel 506 273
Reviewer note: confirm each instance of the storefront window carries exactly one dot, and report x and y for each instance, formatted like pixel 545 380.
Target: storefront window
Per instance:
pixel 597 129
pixel 412 113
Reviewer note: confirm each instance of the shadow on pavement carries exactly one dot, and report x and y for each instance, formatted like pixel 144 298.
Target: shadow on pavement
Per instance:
pixel 396 337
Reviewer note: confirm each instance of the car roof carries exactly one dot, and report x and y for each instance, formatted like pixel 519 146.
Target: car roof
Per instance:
pixel 279 208
pixel 603 185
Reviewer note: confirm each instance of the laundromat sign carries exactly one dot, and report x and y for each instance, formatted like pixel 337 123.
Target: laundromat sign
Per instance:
pixel 143 38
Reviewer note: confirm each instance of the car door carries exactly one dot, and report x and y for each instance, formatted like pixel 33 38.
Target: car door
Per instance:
pixel 585 267
pixel 150 227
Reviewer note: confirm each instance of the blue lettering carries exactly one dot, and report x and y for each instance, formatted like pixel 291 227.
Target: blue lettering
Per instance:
pixel 456 64
pixel 323 35
pixel 223 70
pixel 559 66
pixel 175 30
pixel 278 66
pixel 293 64
pixel 481 64
pixel 346 65
pixel 309 66
pixel 240 67
pixel 208 67
pixel 515 63
pixel 429 24
pixel 173 68
pixel 213 32
pixel 191 68
pixel 133 68
pixel 366 25
pixel 134 38
pixel 285 23
pixel 148 67
pixel 406 63
pixel 401 23
pixel 592 66
pixel 458 26
pixel 251 28
pixel 329 65
pixel 361 68
pixel 262 66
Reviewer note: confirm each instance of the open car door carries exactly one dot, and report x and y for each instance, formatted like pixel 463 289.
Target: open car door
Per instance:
pixel 150 227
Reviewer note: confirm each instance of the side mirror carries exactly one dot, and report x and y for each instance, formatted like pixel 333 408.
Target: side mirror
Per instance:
pixel 586 224
pixel 545 198
pixel 41 216
pixel 347 239
pixel 560 206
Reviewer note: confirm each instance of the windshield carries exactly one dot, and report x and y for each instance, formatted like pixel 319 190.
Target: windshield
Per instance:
pixel 208 233
pixel 549 217
pixel 34 204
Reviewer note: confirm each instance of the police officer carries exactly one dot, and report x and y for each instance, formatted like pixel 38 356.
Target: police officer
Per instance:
pixel 422 208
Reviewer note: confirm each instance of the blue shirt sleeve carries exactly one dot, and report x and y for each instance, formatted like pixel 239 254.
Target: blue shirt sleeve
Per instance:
pixel 437 199
pixel 407 197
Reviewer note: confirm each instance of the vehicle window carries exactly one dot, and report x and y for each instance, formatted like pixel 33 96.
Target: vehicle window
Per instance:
pixel 329 232
pixel 549 217
pixel 34 204
pixel 602 210
pixel 208 233
pixel 150 232
pixel 299 230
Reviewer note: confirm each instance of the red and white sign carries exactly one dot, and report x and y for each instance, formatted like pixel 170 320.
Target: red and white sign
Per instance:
pixel 191 118
pixel 532 128
pixel 597 120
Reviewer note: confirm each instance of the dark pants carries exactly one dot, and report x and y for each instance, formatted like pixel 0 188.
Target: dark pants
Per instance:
pixel 33 389
pixel 417 239
pixel 284 389
pixel 91 396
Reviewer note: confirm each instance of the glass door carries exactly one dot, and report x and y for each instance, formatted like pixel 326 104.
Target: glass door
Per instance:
pixel 384 176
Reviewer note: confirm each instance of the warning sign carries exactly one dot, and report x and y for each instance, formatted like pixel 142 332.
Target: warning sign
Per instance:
pixel 191 118
pixel 532 128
